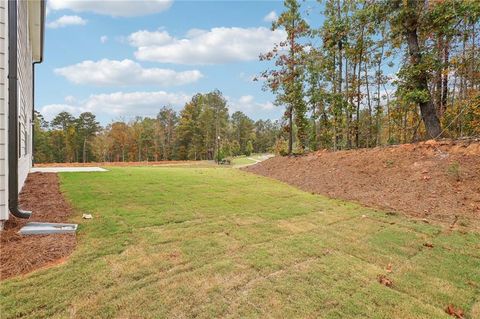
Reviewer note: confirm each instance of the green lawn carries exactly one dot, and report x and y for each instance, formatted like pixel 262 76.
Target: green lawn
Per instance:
pixel 244 160
pixel 218 242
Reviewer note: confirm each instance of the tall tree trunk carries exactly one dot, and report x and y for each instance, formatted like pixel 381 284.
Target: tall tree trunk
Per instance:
pixel 333 106
pixel 438 76
pixel 290 130
pixel 427 108
pixel 357 124
pixel 84 153
pixel 475 77
pixel 347 109
pixel 446 56
pixel 369 103
pixel 293 79
pixel 340 80
pixel 379 112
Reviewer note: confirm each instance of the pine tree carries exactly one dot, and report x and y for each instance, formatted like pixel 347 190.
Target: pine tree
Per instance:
pixel 286 81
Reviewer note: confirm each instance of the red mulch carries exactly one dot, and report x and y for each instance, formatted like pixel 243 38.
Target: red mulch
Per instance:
pixel 22 254
pixel 433 179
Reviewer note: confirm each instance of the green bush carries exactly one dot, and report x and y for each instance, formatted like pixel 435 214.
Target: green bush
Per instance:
pixel 280 147
pixel 249 148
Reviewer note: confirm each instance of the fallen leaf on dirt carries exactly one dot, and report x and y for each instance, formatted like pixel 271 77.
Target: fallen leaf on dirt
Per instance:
pixel 426 178
pixel 174 254
pixel 454 222
pixel 389 268
pixel 429 245
pixel 457 313
pixel 385 281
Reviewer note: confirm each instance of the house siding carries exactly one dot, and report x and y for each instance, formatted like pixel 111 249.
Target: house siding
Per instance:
pixel 3 109
pixel 25 100
pixel 25 87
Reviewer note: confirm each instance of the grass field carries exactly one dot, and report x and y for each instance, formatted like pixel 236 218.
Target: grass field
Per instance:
pixel 217 242
pixel 244 160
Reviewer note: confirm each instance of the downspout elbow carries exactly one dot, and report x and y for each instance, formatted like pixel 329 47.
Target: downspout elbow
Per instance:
pixel 17 212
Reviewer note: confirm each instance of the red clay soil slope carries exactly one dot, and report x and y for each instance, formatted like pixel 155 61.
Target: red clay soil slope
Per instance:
pixel 22 254
pixel 434 179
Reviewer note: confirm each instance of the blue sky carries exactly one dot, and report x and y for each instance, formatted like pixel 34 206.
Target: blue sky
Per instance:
pixel 119 59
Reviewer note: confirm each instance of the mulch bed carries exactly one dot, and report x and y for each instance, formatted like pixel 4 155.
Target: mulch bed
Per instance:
pixel 434 179
pixel 22 254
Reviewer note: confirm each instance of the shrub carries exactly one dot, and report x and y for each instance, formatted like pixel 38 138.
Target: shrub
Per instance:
pixel 280 147
pixel 249 148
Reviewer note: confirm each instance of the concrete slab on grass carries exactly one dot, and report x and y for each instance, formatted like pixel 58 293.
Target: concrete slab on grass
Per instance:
pixel 66 169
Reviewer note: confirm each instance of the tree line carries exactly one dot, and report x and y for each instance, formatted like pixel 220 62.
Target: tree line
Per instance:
pixel 336 87
pixel 202 130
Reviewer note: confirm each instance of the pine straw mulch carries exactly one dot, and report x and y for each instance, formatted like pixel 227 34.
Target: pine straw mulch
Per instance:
pixel 22 254
pixel 434 180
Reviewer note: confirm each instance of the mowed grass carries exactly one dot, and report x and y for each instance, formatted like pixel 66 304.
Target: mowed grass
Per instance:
pixel 219 242
pixel 242 160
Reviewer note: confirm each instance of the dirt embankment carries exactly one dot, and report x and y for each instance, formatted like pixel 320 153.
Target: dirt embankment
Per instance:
pixel 433 179
pixel 22 254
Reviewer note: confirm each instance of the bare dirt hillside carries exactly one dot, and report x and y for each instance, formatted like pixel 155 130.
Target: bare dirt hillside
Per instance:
pixel 434 179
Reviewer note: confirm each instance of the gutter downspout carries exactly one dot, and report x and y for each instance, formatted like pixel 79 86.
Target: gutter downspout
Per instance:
pixel 13 114
pixel 42 23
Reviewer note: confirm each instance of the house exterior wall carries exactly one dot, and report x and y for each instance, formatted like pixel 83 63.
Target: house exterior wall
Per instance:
pixel 3 109
pixel 25 100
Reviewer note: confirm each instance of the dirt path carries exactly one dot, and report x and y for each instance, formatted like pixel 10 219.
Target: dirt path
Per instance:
pixel 437 180
pixel 22 254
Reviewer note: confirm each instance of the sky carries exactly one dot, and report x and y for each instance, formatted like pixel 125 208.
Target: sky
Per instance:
pixel 120 59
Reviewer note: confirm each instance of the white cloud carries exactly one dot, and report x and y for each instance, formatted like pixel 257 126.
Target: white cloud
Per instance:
pixel 103 39
pixel 270 17
pixel 65 21
pixel 119 104
pixel 70 99
pixel 218 45
pixel 116 8
pixel 126 72
pixel 267 106
pixel 145 38
pixel 51 110
pixel 247 103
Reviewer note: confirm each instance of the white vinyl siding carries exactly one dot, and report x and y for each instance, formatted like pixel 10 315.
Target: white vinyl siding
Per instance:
pixel 3 109
pixel 25 103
